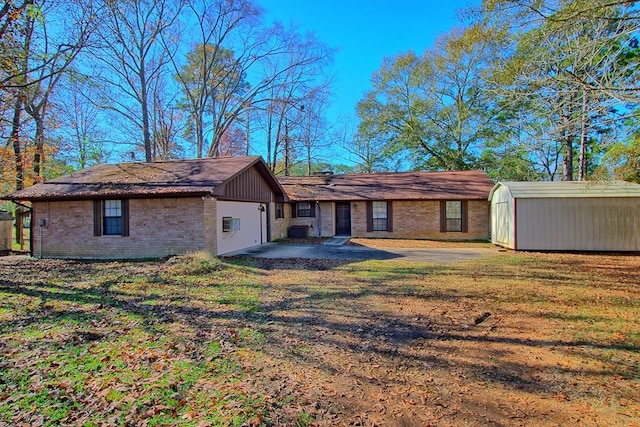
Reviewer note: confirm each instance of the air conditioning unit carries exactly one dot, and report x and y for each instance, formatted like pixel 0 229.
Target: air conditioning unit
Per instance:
pixel 298 231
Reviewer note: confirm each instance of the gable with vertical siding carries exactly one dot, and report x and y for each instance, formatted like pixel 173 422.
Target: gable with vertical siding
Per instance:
pixel 247 185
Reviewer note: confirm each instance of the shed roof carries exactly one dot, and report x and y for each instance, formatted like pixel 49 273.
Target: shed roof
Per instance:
pixel 154 179
pixel 573 189
pixel 460 185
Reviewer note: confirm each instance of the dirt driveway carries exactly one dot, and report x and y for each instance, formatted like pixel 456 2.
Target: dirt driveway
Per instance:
pixel 358 252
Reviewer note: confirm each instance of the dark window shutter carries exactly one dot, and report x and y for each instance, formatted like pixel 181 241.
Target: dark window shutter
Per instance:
pixel 125 217
pixel 97 217
pixel 294 210
pixel 312 209
pixel 443 216
pixel 369 216
pixel 465 216
pixel 389 216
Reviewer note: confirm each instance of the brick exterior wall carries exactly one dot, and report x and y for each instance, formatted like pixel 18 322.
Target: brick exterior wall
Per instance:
pixel 157 228
pixel 323 221
pixel 279 225
pixel 421 220
pixel 411 220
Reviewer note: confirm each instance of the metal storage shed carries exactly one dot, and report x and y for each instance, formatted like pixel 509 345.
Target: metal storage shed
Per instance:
pixel 566 216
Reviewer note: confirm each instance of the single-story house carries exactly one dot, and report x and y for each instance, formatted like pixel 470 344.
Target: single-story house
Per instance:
pixel 150 210
pixel 404 205
pixel 220 205
pixel 566 216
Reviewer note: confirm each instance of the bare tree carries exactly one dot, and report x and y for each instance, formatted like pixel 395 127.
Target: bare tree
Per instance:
pixel 313 129
pixel 212 76
pixel 134 57
pixel 238 65
pixel 168 121
pixel 297 82
pixel 82 128
pixel 58 37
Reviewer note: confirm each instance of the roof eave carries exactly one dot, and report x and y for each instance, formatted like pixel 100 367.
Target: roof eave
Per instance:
pixel 99 196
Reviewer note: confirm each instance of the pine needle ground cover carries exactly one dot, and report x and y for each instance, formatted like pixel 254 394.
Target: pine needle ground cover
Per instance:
pixel 514 339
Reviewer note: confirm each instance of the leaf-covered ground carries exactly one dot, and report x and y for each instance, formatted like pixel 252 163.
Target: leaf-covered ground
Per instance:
pixel 515 339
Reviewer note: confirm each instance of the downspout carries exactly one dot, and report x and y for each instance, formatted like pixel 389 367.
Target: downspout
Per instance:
pixel 42 224
pixel 261 210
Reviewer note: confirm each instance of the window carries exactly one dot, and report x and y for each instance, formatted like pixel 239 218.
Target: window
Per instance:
pixel 111 217
pixel 279 210
pixel 379 211
pixel 303 209
pixel 453 216
pixel 230 224
pixel 379 216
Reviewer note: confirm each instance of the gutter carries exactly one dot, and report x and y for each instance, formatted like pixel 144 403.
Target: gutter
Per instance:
pixel 20 204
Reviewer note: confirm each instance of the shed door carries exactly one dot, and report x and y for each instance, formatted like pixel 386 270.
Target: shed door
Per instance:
pixel 343 218
pixel 501 224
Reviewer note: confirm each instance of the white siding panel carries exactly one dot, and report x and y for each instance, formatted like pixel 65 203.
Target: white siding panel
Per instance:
pixel 503 218
pixel 249 233
pixel 600 224
pixel 501 225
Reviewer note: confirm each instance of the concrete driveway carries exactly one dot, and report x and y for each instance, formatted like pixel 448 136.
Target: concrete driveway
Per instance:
pixel 359 253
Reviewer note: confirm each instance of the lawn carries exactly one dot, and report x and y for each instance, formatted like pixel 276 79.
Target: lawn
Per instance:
pixel 514 339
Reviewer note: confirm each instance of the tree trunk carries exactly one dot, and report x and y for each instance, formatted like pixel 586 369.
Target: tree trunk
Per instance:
pixel 148 155
pixel 17 152
pixel 568 145
pixel 38 157
pixel 248 131
pixel 269 131
pixel 15 139
pixel 199 135
pixel 582 174
pixel 287 150
pixel 568 157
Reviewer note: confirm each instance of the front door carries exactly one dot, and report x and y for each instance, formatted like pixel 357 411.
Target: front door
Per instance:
pixel 343 219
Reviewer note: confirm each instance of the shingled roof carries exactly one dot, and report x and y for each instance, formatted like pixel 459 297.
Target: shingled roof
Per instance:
pixel 155 179
pixel 459 185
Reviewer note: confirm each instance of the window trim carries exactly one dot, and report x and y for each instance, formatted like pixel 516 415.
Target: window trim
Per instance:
pixel 379 225
pixel 464 217
pixel 230 224
pixel 370 218
pixel 295 210
pixel 279 210
pixel 99 218
pixel 112 224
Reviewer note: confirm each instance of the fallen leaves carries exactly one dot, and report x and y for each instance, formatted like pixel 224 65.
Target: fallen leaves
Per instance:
pixel 317 343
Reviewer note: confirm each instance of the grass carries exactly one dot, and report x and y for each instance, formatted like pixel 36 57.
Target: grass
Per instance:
pixel 196 340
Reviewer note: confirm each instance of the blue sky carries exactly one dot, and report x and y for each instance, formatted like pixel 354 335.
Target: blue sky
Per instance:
pixel 364 32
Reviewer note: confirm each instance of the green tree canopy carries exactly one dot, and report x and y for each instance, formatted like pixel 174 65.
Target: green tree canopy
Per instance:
pixel 436 107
